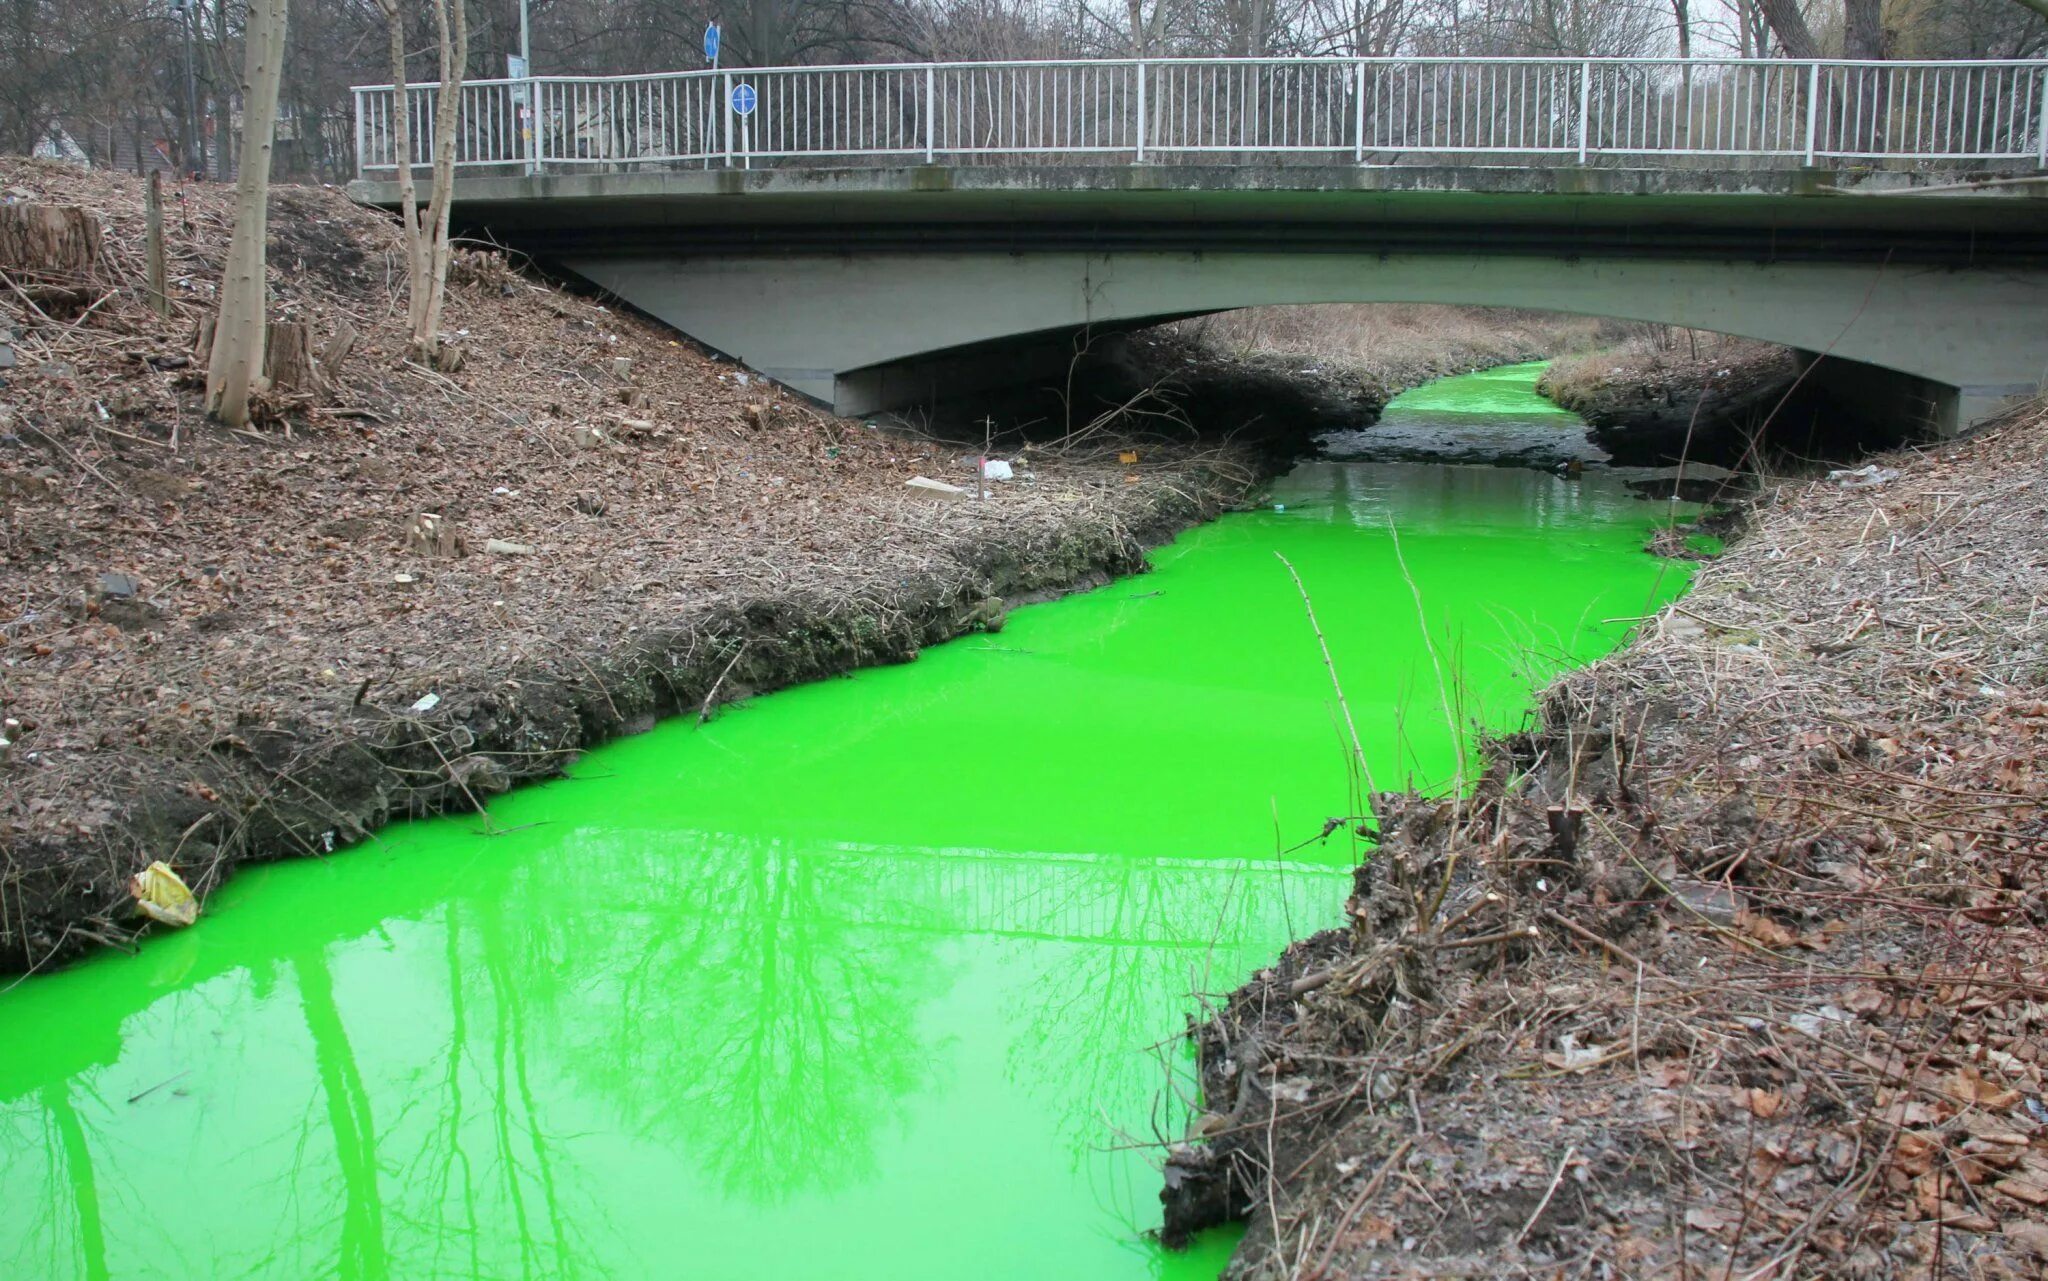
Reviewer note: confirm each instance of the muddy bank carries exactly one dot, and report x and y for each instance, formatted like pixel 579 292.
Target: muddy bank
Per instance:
pixel 284 788
pixel 1731 965
pixel 420 585
pixel 1732 402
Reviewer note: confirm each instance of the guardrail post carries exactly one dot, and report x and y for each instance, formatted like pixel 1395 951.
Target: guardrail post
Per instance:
pixel 2042 123
pixel 529 125
pixel 931 114
pixel 725 114
pixel 1141 111
pixel 362 166
pixel 1812 111
pixel 1358 114
pixel 1585 107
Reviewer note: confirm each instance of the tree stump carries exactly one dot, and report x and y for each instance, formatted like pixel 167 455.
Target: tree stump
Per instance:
pixel 288 361
pixel 49 240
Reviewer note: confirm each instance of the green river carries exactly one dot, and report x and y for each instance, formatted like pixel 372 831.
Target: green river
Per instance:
pixel 876 978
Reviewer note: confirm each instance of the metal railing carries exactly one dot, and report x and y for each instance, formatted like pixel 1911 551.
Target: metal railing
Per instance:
pixel 1367 111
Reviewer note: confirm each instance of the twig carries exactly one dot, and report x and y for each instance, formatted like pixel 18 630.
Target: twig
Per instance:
pixel 1544 1204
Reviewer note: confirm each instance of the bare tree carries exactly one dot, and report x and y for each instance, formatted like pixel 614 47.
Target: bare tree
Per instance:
pixel 235 368
pixel 426 230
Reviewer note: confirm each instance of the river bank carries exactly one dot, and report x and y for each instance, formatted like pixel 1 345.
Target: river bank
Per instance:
pixel 425 585
pixel 1732 965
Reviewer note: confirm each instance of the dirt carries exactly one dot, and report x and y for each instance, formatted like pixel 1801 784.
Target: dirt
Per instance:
pixel 1737 403
pixel 1734 965
pixel 221 646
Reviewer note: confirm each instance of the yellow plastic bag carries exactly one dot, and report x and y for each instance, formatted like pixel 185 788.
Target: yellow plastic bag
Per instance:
pixel 161 896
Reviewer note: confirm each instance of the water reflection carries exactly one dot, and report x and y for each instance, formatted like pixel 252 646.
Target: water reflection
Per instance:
pixel 748 1007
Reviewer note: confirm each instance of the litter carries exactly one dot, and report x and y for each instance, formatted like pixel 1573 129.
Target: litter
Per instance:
pixel 427 703
pixel 161 896
pixel 937 490
pixel 1868 476
pixel 997 469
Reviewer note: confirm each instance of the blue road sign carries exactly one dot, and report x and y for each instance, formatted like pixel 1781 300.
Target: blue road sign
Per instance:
pixel 743 99
pixel 711 42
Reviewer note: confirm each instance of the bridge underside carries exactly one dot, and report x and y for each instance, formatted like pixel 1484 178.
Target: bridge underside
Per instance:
pixel 874 288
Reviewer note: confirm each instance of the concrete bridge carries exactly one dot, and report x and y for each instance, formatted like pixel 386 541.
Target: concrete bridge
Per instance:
pixel 873 236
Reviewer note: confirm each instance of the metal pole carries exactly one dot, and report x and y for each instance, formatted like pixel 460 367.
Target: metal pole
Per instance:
pixel 1585 106
pixel 2042 123
pixel 195 147
pixel 1358 113
pixel 1812 110
pixel 931 127
pixel 725 80
pixel 531 108
pixel 1141 111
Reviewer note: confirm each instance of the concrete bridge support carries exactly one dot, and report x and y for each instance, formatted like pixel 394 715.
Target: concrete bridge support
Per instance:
pixel 865 331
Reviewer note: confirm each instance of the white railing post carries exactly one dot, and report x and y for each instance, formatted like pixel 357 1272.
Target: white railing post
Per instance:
pixel 1358 114
pixel 2042 123
pixel 1141 111
pixel 362 157
pixel 1585 107
pixel 931 114
pixel 1812 111
pixel 726 113
pixel 529 124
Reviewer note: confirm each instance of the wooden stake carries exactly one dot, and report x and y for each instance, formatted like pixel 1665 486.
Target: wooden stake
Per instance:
pixel 159 286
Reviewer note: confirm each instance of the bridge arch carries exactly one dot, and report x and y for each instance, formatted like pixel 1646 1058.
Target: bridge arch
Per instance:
pixel 866 332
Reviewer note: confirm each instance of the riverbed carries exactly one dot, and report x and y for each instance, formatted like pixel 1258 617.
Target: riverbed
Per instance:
pixel 879 977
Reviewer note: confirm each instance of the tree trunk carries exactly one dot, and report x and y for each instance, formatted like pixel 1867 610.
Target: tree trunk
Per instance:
pixel 236 362
pixel 429 293
pixel 1789 25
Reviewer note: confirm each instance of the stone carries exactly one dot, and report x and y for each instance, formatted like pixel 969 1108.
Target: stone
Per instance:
pixel 119 586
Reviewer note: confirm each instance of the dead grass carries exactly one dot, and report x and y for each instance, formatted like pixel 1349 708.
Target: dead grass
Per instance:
pixel 1654 357
pixel 1735 967
pixel 1405 343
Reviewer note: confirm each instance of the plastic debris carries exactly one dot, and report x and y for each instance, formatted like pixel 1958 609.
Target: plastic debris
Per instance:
pixel 427 703
pixel 937 490
pixel 1127 456
pixel 997 469
pixel 1868 476
pixel 499 547
pixel 161 896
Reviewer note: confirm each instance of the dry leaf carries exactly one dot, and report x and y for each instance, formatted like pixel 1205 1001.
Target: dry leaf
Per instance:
pixel 1765 930
pixel 2029 1188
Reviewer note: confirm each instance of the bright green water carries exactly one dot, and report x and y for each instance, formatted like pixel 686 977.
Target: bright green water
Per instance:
pixel 855 982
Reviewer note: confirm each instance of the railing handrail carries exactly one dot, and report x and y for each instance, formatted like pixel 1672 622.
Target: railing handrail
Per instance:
pixel 1332 59
pixel 1538 105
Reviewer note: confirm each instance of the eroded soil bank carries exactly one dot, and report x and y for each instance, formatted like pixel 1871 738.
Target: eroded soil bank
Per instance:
pixel 415 586
pixel 1732 966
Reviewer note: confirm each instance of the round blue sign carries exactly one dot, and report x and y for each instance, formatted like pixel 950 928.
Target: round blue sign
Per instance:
pixel 711 42
pixel 743 99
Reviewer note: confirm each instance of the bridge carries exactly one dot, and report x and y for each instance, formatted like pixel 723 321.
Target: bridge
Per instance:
pixel 875 235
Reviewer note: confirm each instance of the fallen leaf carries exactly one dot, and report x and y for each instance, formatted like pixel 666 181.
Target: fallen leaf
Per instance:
pixel 1765 930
